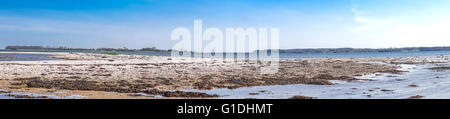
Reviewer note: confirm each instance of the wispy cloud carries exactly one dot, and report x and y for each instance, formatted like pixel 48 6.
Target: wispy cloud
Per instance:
pixel 303 24
pixel 53 26
pixel 129 34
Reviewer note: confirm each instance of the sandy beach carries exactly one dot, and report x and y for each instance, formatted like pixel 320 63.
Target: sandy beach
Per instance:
pixel 93 76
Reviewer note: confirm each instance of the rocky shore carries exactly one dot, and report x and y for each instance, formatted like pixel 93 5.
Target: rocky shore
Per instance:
pixel 136 76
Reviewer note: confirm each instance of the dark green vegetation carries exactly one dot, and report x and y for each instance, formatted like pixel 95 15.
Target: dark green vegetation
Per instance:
pixel 111 53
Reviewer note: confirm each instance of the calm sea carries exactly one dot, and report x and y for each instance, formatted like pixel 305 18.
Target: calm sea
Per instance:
pixel 363 54
pixel 328 55
pixel 24 57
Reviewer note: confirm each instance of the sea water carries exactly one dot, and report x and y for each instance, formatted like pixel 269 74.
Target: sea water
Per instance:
pixel 285 55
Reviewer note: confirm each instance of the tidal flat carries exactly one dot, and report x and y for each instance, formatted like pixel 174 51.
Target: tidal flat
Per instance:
pixel 93 76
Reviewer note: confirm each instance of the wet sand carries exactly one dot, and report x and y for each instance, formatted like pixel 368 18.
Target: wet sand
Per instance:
pixel 136 76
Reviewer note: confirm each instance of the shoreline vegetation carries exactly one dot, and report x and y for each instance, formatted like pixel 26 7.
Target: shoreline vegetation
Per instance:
pixel 311 50
pixel 95 75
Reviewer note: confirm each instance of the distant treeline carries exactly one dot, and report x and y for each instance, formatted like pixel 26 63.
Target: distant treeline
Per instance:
pixel 346 50
pixel 80 49
pixel 319 50
pixel 23 47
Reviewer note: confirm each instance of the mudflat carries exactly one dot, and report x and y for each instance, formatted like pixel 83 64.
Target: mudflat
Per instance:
pixel 136 76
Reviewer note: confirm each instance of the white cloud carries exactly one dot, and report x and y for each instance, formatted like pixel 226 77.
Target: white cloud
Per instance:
pixel 360 19
pixel 402 31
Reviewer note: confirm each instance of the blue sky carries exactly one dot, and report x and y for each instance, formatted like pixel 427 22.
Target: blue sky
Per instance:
pixel 302 23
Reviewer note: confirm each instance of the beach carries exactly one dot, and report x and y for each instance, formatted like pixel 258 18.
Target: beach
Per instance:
pixel 103 76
